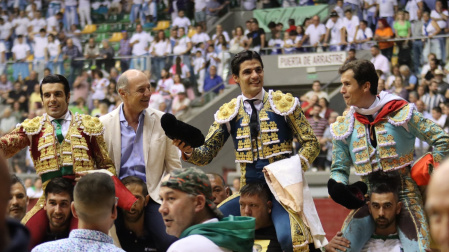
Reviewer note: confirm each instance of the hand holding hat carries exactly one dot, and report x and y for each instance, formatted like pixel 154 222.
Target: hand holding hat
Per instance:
pixel 175 129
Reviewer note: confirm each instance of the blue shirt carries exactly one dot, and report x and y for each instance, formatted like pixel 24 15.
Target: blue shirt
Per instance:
pixel 210 83
pixel 132 162
pixel 80 240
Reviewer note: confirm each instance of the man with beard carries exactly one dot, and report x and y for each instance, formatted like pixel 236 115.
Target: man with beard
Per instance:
pixel 377 135
pixel 18 201
pixel 130 226
pixel 58 197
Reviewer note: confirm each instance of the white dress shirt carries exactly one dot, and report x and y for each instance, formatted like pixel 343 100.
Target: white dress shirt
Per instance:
pixel 65 124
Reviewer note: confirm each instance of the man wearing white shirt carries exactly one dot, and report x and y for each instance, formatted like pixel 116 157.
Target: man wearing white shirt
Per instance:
pixel 334 30
pixel 440 16
pixel 379 61
pixel 21 24
pixel 370 8
pixel 355 6
pixel 139 42
pixel 181 21
pixel 53 23
pixel 363 36
pixel 40 42
pixel 38 22
pixel 412 7
pixel 219 32
pixel 315 32
pixel 199 37
pixel 20 52
pixel 351 24
pixel 5 31
pixel 182 46
pixel 387 10
pixel 84 11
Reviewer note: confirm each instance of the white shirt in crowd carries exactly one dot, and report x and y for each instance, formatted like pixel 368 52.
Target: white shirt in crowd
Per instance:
pixel 38 24
pixel 412 8
pixel 356 2
pixel 165 84
pixel 21 25
pixel 200 5
pixel 177 88
pixel 184 70
pixel 181 45
pixel 351 26
pixel 53 48
pixel 156 100
pixel 70 2
pixel 99 87
pixel 435 15
pixel 440 121
pixel 182 22
pixel 290 42
pixel 315 32
pixel 381 62
pixel 39 45
pixel 362 35
pixel 140 47
pixel 2 49
pixel 210 56
pixel 200 37
pixel 197 64
pixel 20 50
pixel 52 23
pixel 278 43
pixel 223 66
pixel 386 7
pixel 335 30
pixel 84 3
pixel 5 30
pixel 161 48
pixel 370 2
pixel 225 34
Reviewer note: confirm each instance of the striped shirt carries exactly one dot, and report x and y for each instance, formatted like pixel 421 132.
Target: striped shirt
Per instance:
pixel 432 101
pixel 318 126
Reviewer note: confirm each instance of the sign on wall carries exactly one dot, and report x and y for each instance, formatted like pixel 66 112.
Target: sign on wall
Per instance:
pixel 282 15
pixel 311 59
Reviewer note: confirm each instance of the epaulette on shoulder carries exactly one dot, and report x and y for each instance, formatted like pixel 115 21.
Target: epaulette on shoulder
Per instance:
pixel 402 116
pixel 228 111
pixel 282 104
pixel 33 126
pixel 91 125
pixel 343 126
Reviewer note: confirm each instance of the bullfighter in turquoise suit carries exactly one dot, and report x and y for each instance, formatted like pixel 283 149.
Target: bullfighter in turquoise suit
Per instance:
pixel 377 134
pixel 259 142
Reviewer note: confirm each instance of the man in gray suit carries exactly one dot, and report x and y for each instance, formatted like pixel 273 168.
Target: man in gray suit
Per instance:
pixel 138 146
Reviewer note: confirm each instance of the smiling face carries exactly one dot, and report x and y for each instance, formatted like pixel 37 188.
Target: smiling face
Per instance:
pixel 137 96
pixel 353 93
pixel 177 209
pixel 58 211
pixel 250 78
pixel 54 99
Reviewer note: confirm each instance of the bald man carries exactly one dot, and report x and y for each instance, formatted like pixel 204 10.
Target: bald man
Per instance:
pixel 437 206
pixel 138 146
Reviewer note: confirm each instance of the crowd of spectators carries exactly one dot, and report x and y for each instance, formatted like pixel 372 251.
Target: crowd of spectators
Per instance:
pixel 37 38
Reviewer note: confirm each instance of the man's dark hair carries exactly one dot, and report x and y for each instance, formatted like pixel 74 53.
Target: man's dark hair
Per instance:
pixel 242 56
pixel 218 175
pixel 291 21
pixel 59 14
pixel 138 181
pixel 253 20
pixel 258 189
pixel 271 25
pixel 42 30
pixel 364 71
pixel 56 78
pixel 59 185
pixel 317 105
pixel 15 179
pixel 348 10
pixel 437 109
pixel 364 22
pixel 198 25
pixel 153 83
pixel 292 33
pixel 385 182
pixel 325 101
pixel 352 50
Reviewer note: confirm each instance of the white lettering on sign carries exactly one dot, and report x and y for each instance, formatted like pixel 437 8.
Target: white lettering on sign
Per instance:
pixel 311 59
